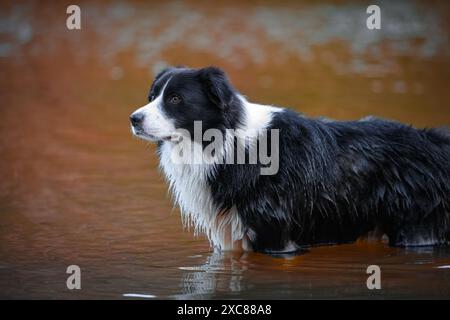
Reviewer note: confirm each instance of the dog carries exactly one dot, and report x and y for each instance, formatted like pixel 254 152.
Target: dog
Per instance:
pixel 336 180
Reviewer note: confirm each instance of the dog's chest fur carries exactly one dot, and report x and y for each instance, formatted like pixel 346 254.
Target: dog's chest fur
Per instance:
pixel 188 184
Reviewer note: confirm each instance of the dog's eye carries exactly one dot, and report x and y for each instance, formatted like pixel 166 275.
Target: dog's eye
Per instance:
pixel 175 99
pixel 152 97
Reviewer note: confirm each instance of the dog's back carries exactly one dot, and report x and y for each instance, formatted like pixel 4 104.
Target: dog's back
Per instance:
pixel 339 180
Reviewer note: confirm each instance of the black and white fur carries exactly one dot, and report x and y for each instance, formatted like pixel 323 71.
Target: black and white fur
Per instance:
pixel 337 180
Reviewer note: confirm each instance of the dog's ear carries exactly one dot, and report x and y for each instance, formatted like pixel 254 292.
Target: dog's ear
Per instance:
pixel 217 86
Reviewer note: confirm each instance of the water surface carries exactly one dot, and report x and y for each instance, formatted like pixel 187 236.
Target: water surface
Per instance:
pixel 77 188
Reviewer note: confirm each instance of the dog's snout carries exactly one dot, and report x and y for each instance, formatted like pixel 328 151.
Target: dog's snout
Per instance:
pixel 136 118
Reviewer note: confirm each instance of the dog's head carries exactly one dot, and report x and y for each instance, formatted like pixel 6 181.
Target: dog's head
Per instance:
pixel 180 96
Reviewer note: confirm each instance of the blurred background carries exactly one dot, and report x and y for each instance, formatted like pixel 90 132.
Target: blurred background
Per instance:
pixel 76 188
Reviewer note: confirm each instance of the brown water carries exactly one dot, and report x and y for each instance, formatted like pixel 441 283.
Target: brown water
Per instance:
pixel 76 188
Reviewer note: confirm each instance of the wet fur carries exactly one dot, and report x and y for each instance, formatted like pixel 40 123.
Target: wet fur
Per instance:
pixel 340 180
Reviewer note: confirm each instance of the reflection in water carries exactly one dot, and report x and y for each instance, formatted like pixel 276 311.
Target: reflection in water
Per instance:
pixel 76 188
pixel 322 272
pixel 222 272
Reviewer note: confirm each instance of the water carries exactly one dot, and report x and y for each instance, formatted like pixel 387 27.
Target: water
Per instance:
pixel 76 188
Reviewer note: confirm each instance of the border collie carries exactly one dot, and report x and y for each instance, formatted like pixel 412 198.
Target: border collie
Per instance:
pixel 335 180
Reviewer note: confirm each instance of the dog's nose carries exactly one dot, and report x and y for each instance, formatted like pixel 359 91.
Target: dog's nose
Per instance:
pixel 136 118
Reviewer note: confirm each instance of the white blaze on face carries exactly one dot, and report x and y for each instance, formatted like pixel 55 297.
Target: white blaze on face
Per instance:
pixel 155 124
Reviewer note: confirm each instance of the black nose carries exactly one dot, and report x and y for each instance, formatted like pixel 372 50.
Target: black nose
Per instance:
pixel 136 118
